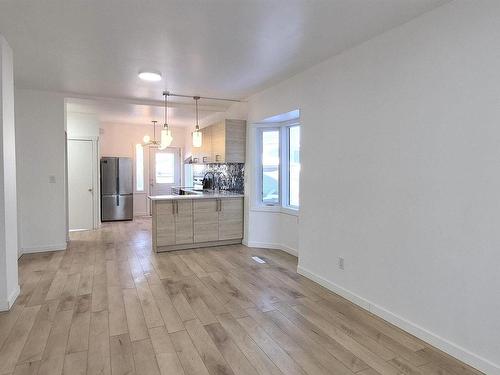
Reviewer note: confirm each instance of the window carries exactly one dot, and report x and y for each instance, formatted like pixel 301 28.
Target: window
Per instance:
pixel 270 166
pixel 280 165
pixel 165 167
pixel 139 168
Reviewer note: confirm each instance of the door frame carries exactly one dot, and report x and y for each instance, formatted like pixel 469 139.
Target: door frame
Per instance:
pixel 96 185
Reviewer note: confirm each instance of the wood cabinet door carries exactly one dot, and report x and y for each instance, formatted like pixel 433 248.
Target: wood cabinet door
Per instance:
pixel 165 223
pixel 183 222
pixel 206 145
pixel 206 220
pixel 219 142
pixel 231 219
pixel 235 141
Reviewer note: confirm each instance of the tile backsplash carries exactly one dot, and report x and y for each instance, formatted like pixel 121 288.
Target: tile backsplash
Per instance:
pixel 232 175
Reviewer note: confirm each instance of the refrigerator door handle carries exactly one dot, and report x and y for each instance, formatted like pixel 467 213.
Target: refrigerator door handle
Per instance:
pixel 118 176
pixel 117 200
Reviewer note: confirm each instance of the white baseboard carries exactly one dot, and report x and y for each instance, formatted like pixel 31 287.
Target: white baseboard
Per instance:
pixel 267 245
pixel 44 248
pixel 441 343
pixel 6 305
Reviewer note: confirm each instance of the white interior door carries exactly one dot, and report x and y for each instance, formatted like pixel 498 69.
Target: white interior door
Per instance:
pixel 165 170
pixel 80 184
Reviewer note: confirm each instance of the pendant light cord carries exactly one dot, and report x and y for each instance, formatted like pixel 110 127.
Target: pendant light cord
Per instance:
pixel 166 111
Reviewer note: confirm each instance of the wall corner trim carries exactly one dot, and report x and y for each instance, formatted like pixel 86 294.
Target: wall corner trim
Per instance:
pixel 441 343
pixel 267 245
pixel 7 305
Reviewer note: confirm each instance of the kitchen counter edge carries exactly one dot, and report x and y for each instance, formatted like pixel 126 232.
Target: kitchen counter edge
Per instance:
pixel 200 196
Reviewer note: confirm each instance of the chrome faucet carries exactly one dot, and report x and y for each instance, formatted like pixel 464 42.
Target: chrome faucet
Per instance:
pixel 215 178
pixel 205 179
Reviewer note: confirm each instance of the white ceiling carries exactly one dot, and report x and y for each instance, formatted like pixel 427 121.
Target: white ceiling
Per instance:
pixel 223 48
pixel 180 114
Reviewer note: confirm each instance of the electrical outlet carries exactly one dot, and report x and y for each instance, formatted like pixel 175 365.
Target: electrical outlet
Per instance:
pixel 341 263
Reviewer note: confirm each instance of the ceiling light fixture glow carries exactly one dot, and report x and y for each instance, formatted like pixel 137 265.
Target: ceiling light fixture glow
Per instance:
pixel 150 76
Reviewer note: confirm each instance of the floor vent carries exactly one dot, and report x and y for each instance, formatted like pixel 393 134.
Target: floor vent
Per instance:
pixel 259 260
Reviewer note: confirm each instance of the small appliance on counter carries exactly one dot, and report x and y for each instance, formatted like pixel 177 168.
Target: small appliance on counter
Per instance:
pixel 117 189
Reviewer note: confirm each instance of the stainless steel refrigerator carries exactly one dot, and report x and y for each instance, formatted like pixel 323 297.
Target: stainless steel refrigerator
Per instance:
pixel 116 189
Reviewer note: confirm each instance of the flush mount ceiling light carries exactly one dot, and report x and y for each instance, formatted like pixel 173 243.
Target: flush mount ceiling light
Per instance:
pixel 197 136
pixel 150 76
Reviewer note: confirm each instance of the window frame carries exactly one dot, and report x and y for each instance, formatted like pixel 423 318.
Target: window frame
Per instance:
pixel 286 166
pixel 283 204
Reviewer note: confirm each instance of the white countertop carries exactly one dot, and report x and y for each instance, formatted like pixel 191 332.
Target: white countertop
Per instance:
pixel 205 195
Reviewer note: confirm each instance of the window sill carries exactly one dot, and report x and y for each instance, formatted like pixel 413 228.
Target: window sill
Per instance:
pixel 276 209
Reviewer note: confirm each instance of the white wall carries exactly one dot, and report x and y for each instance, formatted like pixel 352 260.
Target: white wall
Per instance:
pixel 40 143
pixel 9 287
pixel 120 140
pixel 273 230
pixel 400 175
pixel 82 125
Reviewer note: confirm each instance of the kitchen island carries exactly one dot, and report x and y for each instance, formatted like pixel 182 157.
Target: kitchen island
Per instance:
pixel 196 219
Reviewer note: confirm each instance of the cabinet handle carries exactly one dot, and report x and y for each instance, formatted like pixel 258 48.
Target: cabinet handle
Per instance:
pixel 173 208
pixel 177 207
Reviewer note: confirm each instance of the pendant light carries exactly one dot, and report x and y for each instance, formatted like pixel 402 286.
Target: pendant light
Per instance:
pixel 147 141
pixel 197 136
pixel 166 134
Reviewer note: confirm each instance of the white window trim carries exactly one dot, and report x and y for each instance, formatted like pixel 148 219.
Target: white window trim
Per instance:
pixel 282 205
pixel 285 165
pixel 143 191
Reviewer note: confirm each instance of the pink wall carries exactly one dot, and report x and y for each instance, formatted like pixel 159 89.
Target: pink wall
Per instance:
pixel 120 140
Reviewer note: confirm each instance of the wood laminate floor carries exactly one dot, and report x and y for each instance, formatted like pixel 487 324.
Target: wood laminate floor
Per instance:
pixel 109 305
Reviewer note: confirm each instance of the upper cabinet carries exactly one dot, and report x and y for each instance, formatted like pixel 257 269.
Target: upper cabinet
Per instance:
pixel 223 142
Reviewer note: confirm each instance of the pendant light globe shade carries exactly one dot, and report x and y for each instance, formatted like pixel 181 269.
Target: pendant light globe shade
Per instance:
pixel 165 138
pixel 197 141
pixel 146 139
